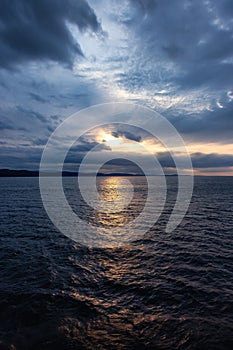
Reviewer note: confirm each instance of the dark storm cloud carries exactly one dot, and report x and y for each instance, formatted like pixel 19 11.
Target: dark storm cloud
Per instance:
pixel 29 155
pixel 20 157
pixel 212 160
pixel 79 150
pixel 199 160
pixel 84 145
pixel 165 159
pixel 38 30
pixel 126 134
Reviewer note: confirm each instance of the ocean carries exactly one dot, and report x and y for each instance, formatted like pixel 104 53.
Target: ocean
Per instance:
pixel 163 291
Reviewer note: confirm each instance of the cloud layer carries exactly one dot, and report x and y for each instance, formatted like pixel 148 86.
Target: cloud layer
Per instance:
pixel 60 56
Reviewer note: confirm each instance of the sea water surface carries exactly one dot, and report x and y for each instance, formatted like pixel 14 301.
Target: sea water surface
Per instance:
pixel 163 291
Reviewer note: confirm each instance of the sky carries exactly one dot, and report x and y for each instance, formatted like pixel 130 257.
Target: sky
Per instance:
pixel 173 56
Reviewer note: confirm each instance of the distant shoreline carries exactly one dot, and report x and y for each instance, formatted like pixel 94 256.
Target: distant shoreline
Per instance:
pixel 35 173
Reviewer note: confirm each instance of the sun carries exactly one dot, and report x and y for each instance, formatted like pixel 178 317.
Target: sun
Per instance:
pixel 108 137
pixel 112 141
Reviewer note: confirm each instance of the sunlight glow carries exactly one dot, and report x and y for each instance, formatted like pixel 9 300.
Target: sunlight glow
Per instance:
pixel 112 141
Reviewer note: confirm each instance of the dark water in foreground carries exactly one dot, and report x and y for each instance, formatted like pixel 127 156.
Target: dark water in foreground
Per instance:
pixel 166 291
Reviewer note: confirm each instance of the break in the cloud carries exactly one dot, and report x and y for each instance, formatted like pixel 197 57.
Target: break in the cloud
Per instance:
pixel 60 56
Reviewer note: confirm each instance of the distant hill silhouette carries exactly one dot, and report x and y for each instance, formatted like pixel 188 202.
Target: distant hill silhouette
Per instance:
pixel 35 173
pixel 18 173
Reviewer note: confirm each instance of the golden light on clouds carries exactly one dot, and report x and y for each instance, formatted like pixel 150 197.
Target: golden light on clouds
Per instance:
pixel 120 144
pixel 154 146
pixel 210 148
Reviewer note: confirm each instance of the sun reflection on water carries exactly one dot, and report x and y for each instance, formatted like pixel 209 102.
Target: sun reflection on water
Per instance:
pixel 113 190
pixel 108 188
